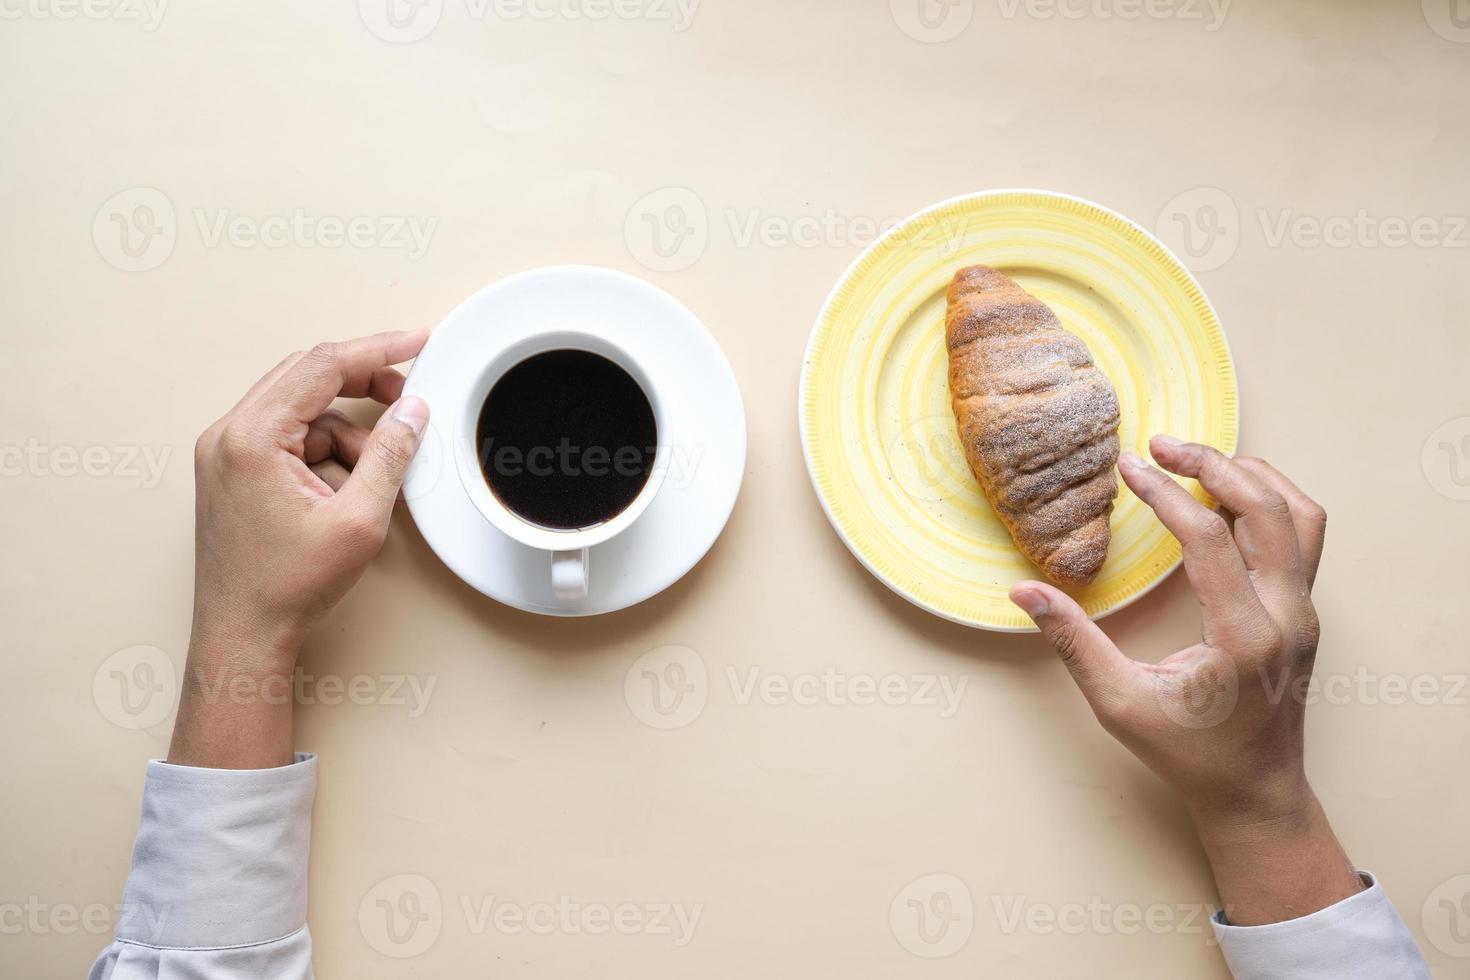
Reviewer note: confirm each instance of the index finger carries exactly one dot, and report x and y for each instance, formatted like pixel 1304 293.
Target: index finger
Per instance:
pixel 330 370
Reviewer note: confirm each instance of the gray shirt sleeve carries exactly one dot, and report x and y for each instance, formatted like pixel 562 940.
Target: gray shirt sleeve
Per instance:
pixel 1359 938
pixel 218 884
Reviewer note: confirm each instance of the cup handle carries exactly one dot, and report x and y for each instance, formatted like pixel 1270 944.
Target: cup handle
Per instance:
pixel 569 574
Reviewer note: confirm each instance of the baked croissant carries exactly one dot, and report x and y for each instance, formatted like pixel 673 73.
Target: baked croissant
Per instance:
pixel 1038 422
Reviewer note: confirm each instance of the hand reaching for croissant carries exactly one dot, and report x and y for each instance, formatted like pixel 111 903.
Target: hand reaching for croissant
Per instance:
pixel 1219 721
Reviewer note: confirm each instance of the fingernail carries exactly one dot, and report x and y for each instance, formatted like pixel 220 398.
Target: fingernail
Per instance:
pixel 1131 461
pixel 1032 603
pixel 1164 439
pixel 412 412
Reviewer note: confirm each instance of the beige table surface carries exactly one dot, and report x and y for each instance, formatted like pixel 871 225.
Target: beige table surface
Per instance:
pixel 1295 142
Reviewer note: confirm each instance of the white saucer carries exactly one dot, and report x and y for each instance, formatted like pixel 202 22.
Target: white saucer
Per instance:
pixel 705 422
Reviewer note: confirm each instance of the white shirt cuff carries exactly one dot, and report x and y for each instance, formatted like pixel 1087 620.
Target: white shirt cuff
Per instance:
pixel 220 858
pixel 1359 938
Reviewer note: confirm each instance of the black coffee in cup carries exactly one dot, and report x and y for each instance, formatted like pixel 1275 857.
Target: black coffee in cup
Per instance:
pixel 566 439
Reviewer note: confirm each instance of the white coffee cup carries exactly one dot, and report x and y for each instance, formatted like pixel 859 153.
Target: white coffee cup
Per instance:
pixel 568 549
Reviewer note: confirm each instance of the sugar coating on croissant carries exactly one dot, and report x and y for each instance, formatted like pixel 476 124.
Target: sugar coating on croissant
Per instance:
pixel 1038 422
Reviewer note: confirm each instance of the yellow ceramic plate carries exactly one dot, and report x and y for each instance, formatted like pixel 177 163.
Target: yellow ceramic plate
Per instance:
pixel 876 424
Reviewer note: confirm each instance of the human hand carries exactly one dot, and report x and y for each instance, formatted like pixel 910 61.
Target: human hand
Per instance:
pixel 292 501
pixel 1218 721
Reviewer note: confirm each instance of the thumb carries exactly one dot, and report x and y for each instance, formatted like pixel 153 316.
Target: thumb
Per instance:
pixel 1096 664
pixel 385 458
